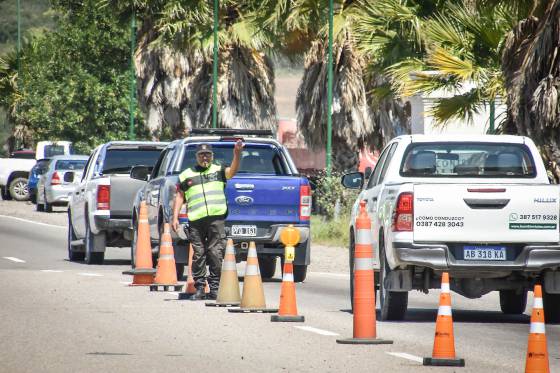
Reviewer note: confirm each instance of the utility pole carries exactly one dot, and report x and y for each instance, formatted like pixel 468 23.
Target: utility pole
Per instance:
pixel 132 96
pixel 330 89
pixel 215 69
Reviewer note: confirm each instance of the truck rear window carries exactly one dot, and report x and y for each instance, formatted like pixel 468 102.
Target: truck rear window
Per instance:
pixel 70 164
pixel 456 159
pixel 255 159
pixel 122 160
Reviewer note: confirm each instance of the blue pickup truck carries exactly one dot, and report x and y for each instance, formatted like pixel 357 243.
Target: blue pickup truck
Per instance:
pixel 266 195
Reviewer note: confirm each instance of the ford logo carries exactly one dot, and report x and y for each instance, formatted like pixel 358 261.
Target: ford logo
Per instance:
pixel 244 200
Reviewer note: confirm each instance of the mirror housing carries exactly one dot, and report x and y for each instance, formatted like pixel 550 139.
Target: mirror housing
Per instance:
pixel 140 172
pixel 353 180
pixel 69 176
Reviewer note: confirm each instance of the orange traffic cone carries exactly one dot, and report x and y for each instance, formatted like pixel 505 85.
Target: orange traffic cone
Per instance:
pixel 228 291
pixel 288 306
pixel 444 341
pixel 166 274
pixel 365 331
pixel 144 271
pixel 189 285
pixel 537 353
pixel 252 299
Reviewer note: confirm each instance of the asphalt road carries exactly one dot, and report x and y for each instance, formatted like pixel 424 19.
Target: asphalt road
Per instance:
pixel 58 316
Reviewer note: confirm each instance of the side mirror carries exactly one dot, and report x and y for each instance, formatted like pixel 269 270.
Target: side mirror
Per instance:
pixel 353 180
pixel 140 172
pixel 367 174
pixel 69 176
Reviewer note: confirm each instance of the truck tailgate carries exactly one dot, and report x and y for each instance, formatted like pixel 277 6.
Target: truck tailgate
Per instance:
pixel 123 191
pixel 485 213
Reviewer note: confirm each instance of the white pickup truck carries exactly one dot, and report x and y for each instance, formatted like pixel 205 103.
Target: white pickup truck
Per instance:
pixel 479 207
pixel 14 172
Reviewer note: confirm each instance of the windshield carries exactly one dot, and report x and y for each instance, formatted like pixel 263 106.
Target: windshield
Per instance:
pixel 255 158
pixel 468 160
pixel 122 160
pixel 67 164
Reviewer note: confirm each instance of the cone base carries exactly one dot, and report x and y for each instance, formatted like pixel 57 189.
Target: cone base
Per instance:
pixel 140 271
pixel 165 287
pixel 253 310
pixel 279 318
pixel 456 362
pixel 364 341
pixel 222 304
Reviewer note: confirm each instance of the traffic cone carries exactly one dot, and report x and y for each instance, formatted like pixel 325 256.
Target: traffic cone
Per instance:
pixel 228 292
pixel 189 285
pixel 444 341
pixel 252 299
pixel 288 305
pixel 537 353
pixel 144 271
pixel 364 289
pixel 166 274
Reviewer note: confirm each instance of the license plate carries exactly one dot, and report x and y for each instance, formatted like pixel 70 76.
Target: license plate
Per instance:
pixel 484 252
pixel 244 230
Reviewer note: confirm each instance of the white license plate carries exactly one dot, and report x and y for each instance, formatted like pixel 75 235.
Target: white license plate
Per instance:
pixel 244 230
pixel 484 253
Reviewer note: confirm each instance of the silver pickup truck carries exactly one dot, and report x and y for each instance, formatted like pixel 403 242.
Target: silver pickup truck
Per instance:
pixel 99 209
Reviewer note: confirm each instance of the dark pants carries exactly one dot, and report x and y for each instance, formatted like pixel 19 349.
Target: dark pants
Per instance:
pixel 208 239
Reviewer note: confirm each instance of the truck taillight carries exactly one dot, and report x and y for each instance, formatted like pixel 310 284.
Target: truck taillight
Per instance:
pixel 103 197
pixel 55 180
pixel 304 202
pixel 403 214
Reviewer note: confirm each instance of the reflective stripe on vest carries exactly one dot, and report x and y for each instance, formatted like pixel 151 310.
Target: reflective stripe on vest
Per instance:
pixel 205 193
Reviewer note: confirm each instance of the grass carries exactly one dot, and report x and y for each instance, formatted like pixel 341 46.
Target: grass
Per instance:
pixel 330 232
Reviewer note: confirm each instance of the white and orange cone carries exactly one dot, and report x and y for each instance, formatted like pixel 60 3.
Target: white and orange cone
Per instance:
pixel 537 352
pixel 166 272
pixel 444 341
pixel 252 299
pixel 228 291
pixel 288 305
pixel 144 271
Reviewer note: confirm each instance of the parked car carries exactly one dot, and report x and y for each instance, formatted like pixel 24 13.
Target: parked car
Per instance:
pixel 34 175
pixel 99 210
pixel 23 154
pixel 53 189
pixel 266 195
pixel 478 207
pixel 14 172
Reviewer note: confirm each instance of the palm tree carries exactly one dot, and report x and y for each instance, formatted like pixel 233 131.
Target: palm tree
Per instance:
pixel 174 66
pixel 531 66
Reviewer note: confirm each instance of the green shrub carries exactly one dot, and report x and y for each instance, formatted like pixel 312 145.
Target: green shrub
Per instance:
pixel 330 196
pixel 330 232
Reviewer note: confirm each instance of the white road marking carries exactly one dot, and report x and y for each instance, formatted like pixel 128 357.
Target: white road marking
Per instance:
pixel 51 270
pixel 14 259
pixel 330 274
pixel 126 283
pixel 90 274
pixel 404 355
pixel 34 222
pixel 316 330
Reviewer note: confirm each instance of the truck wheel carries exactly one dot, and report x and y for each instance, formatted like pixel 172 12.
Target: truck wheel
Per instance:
pixel 393 303
pixel 512 302
pixel 351 249
pixel 18 189
pixel 133 244
pixel 300 272
pixel 39 207
pixel 267 266
pixel 48 206
pixel 94 241
pixel 551 303
pixel 73 256
pixel 5 193
pixel 180 269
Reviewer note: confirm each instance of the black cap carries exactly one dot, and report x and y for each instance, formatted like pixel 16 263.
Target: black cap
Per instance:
pixel 203 148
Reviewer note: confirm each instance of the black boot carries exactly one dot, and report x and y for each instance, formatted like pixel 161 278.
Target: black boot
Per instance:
pixel 199 295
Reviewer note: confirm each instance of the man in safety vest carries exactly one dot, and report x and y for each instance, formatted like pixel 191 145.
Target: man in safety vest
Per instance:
pixel 202 188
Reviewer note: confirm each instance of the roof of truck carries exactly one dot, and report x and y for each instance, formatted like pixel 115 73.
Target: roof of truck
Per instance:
pixel 466 138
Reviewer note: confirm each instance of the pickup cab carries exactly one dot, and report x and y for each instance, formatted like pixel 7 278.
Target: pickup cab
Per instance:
pixel 99 208
pixel 14 172
pixel 480 207
pixel 266 195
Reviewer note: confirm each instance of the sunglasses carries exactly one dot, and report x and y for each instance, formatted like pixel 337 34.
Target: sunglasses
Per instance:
pixel 204 154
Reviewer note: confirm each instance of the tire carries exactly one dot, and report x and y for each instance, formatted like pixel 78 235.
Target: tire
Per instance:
pixel 94 241
pixel 351 248
pixel 48 206
pixel 18 189
pixel 180 269
pixel 512 302
pixel 393 303
pixel 551 303
pixel 267 266
pixel 39 207
pixel 300 272
pixel 133 244
pixel 5 194
pixel 73 256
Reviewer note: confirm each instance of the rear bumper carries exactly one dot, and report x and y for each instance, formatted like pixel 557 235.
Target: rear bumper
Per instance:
pixel 106 223
pixel 59 194
pixel 532 258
